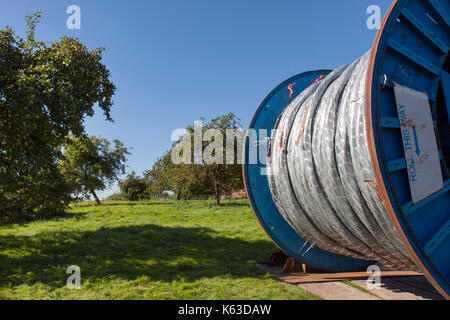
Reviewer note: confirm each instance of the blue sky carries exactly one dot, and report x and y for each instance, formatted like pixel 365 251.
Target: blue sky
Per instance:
pixel 176 61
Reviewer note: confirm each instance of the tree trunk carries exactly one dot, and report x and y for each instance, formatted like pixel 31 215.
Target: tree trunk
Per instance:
pixel 179 195
pixel 217 192
pixel 96 198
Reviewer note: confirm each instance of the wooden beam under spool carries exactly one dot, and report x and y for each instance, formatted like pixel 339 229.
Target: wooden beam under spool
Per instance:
pixel 301 277
pixel 290 265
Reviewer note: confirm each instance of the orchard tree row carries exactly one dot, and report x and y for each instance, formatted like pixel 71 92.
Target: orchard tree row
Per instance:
pixel 190 179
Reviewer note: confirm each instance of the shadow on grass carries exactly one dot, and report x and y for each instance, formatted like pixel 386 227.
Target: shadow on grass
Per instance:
pixel 236 204
pixel 160 253
pixel 179 203
pixel 58 218
pixel 121 203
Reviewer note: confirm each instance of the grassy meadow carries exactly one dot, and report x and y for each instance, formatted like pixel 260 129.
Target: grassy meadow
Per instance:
pixel 142 250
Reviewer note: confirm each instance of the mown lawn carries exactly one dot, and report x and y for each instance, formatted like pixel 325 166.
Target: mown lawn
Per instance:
pixel 142 250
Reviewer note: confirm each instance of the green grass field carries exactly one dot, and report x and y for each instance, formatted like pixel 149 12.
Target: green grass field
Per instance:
pixel 142 250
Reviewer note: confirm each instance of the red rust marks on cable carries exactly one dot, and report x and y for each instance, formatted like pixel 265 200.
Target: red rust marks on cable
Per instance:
pixel 302 129
pixel 319 79
pixel 290 88
pixel 375 185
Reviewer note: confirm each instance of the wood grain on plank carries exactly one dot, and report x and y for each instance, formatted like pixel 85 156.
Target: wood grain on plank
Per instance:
pixel 336 291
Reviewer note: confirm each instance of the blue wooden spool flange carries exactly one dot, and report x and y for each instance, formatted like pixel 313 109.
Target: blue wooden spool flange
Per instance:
pixel 410 49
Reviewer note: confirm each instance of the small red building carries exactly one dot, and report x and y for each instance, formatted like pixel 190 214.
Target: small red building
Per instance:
pixel 238 194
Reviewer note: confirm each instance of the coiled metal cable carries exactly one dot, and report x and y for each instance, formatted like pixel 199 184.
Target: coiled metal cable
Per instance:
pixel 320 174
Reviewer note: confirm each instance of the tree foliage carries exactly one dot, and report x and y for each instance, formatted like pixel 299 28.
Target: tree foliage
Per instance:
pixel 134 188
pixel 46 92
pixel 201 177
pixel 158 177
pixel 90 164
pixel 223 174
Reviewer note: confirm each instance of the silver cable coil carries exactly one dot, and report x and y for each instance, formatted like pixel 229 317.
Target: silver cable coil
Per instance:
pixel 320 174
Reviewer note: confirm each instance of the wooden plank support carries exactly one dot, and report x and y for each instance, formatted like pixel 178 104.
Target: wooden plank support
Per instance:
pixel 292 266
pixel 404 288
pixel 336 291
pixel 300 277
pixel 277 259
